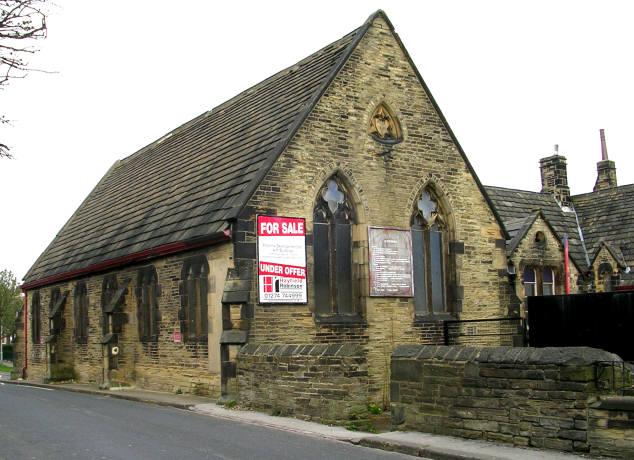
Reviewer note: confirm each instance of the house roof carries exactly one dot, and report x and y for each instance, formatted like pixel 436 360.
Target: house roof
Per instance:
pixel 517 208
pixel 186 186
pixel 607 216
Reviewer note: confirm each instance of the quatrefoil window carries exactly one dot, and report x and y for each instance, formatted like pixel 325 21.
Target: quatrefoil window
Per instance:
pixel 384 126
pixel 428 212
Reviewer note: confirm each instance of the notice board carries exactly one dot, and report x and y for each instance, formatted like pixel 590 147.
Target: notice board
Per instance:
pixel 390 262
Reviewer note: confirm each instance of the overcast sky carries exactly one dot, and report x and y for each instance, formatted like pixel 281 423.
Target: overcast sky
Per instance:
pixel 512 78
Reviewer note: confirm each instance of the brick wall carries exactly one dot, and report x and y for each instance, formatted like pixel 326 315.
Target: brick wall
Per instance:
pixel 523 396
pixel 325 383
pixel 164 365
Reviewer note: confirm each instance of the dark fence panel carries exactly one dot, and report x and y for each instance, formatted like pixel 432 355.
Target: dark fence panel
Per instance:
pixel 603 320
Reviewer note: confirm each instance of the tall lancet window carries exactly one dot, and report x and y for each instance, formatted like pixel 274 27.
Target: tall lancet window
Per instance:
pixel 429 238
pixel 333 218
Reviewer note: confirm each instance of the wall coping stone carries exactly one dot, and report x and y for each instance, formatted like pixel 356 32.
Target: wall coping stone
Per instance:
pixel 619 403
pixel 562 356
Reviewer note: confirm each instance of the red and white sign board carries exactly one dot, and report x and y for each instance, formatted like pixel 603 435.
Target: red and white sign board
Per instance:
pixel 281 259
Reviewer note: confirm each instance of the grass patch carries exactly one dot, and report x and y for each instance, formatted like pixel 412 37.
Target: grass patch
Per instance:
pixel 4 368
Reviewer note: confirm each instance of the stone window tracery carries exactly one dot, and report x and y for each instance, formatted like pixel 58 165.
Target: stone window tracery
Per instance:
pixel 384 126
pixel 429 239
pixel 333 218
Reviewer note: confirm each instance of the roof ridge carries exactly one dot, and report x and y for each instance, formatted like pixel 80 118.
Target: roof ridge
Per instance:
pixel 603 191
pixel 224 105
pixel 515 189
pixel 358 34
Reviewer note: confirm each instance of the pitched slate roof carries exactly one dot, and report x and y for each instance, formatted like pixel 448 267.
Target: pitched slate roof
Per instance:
pixel 519 207
pixel 182 190
pixel 185 186
pixel 607 216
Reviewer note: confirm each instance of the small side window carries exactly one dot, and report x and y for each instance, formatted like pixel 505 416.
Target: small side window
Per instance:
pixel 530 282
pixel 548 281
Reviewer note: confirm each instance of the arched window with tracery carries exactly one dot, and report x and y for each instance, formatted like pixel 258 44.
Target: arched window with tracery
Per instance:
pixel 429 240
pixel 333 218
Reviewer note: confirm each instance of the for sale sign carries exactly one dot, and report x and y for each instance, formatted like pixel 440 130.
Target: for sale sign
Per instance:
pixel 281 259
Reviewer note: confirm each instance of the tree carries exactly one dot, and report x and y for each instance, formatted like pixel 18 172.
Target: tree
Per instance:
pixel 10 303
pixel 21 22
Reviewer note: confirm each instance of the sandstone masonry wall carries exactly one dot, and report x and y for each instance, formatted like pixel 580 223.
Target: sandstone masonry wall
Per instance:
pixel 325 383
pixel 165 365
pixel 523 396
pixel 335 139
pixel 549 254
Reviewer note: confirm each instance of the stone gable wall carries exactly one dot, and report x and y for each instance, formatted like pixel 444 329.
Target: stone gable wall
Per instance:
pixel 164 365
pixel 602 257
pixel 551 254
pixel 524 396
pixel 384 183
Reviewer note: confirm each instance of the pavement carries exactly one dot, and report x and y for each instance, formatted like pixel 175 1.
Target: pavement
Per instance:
pixel 424 445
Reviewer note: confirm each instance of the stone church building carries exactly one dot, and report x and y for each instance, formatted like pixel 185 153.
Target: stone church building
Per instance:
pixel 153 281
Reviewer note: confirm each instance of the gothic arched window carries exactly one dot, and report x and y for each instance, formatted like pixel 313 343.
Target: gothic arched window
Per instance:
pixel 80 302
pixel 147 304
pixel 193 313
pixel 108 293
pixel 36 318
pixel 429 238
pixel 333 218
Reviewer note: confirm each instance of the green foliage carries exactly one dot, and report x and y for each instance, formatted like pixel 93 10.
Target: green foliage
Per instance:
pixel 374 408
pixel 228 403
pixel 178 391
pixel 10 302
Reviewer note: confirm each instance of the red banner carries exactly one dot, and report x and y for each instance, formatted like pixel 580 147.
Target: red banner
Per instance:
pixel 280 226
pixel 287 271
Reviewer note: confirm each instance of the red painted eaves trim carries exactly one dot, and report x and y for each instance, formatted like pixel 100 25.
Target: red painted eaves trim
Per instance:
pixel 151 253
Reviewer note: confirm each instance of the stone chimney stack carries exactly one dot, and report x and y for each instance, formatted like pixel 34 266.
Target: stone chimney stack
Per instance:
pixel 606 169
pixel 555 177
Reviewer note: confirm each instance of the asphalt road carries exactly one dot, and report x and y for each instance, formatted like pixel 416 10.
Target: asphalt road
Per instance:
pixel 37 423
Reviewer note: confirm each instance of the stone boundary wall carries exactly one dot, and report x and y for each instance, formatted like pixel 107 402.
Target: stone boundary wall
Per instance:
pixel 611 427
pixel 325 383
pixel 539 397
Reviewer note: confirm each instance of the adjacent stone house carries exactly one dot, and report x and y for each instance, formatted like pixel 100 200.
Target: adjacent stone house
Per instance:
pixel 599 227
pixel 154 280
